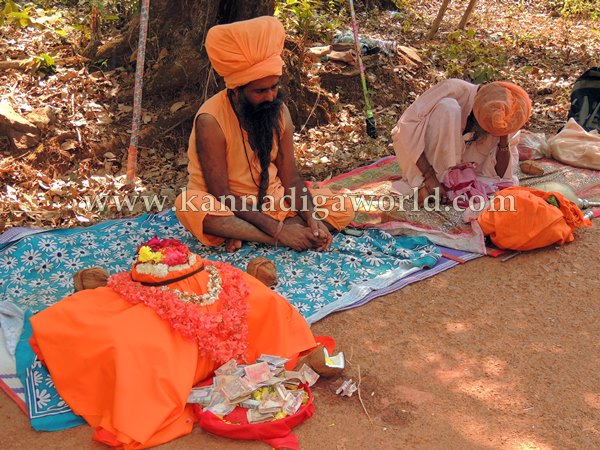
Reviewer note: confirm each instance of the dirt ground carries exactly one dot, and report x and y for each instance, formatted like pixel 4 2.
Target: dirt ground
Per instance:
pixel 486 355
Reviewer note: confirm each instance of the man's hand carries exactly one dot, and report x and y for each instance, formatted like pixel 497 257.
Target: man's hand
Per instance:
pixel 296 236
pixel 321 235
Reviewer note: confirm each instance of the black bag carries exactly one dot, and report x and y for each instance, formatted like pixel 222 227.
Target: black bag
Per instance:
pixel 585 100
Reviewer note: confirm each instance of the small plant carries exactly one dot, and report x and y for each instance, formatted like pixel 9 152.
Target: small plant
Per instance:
pixel 43 65
pixel 12 14
pixel 589 9
pixel 310 19
pixel 468 57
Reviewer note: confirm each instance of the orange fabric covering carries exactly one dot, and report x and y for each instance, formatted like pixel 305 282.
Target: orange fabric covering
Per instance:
pixel 246 51
pixel 242 170
pixel 534 223
pixel 129 374
pixel 501 108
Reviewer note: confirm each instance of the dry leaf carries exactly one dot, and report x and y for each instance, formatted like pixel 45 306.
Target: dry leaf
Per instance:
pixel 177 106
pixel 124 108
pixel 411 53
pixel 68 145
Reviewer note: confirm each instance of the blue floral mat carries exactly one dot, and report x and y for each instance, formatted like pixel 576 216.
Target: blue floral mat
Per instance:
pixel 37 270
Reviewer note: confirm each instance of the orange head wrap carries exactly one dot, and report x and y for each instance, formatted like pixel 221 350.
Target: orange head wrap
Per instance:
pixel 501 108
pixel 246 51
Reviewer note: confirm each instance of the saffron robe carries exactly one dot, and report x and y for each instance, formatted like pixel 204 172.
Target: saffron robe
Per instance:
pixel 243 172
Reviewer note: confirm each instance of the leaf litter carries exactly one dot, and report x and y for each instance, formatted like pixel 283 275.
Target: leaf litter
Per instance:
pixel 84 113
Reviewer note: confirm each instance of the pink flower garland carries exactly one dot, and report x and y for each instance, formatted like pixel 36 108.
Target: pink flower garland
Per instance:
pixel 220 335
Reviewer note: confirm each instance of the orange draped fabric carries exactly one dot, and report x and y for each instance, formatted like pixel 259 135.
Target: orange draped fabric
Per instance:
pixel 129 374
pixel 534 223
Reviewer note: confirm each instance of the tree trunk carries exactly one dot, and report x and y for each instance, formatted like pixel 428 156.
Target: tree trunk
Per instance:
pixel 176 60
pixel 438 19
pixel 175 54
pixel 465 17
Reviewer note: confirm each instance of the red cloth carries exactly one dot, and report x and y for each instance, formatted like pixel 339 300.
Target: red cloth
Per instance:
pixel 277 434
pixel 461 182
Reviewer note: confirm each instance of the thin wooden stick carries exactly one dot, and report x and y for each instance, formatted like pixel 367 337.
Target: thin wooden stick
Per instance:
pixel 436 23
pixel 467 14
pixel 360 396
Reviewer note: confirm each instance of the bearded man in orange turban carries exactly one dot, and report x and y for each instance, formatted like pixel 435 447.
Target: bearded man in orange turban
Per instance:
pixel 458 122
pixel 243 182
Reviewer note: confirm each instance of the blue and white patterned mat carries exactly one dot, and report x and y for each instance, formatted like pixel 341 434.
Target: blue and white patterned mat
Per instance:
pixel 37 270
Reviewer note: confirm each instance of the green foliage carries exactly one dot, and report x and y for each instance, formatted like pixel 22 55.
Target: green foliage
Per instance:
pixel 114 10
pixel 468 57
pixel 111 11
pixel 588 9
pixel 311 19
pixel 11 13
pixel 43 65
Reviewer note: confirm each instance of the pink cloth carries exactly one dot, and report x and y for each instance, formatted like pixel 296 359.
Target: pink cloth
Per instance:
pixel 461 182
pixel 434 124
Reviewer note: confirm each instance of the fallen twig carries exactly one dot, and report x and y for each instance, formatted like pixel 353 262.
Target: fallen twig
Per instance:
pixel 21 64
pixel 360 396
pixel 26 64
pixel 312 110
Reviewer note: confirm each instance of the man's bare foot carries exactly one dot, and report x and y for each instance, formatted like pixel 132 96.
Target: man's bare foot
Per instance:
pixel 428 189
pixel 232 245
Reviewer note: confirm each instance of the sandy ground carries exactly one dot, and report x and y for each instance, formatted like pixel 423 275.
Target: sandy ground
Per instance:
pixel 486 355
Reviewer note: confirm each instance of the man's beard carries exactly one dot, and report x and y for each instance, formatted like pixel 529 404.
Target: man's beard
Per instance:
pixel 260 122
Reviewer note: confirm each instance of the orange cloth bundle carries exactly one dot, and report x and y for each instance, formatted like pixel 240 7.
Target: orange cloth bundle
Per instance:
pixel 246 51
pixel 501 108
pixel 534 223
pixel 128 373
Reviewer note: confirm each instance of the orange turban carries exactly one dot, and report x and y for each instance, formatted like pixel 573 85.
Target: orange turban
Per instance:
pixel 501 108
pixel 246 51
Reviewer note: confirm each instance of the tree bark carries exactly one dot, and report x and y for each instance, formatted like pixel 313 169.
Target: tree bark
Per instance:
pixel 176 60
pixel 175 54
pixel 438 19
pixel 467 14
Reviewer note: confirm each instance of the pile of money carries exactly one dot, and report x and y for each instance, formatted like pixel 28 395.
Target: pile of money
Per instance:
pixel 265 389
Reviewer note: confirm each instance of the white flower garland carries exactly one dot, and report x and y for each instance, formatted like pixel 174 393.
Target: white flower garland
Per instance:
pixel 214 290
pixel 161 270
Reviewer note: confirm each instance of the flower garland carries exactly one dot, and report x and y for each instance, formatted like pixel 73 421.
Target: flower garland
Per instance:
pixel 221 335
pixel 213 288
pixel 159 257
